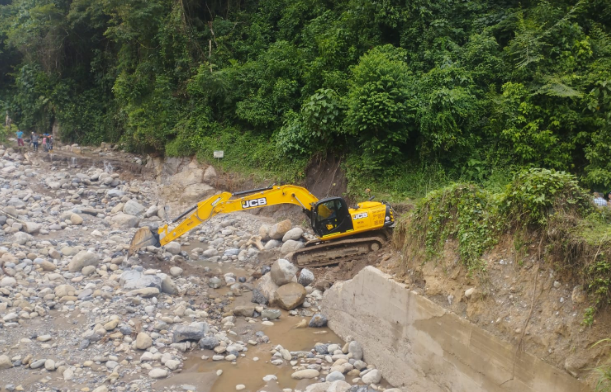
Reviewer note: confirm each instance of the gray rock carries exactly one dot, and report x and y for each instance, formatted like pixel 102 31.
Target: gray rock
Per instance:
pixel 283 272
pixel 214 282
pixel 258 297
pixel 244 311
pixel 361 388
pixel 318 321
pixel 20 238
pixel 31 227
pixel 195 331
pixel 83 259
pixel 168 286
pixel 291 246
pixel 8 281
pixel 293 234
pixel 356 350
pixel 115 193
pixel 5 362
pixel 208 343
pixel 272 244
pixel 151 211
pixel 374 376
pixel 172 247
pixel 175 271
pixel 134 279
pixel 271 314
pixel 37 364
pixel 132 207
pixel 306 277
pixel 335 376
pixel 321 349
pixel 158 373
pixel 124 221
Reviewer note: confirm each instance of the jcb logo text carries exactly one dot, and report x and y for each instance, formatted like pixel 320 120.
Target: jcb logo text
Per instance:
pixel 254 203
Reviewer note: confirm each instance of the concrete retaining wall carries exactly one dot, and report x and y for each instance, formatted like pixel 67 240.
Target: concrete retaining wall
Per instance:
pixel 419 345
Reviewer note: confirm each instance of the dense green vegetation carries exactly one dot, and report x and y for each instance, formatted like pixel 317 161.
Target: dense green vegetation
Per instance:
pixel 412 93
pixel 548 215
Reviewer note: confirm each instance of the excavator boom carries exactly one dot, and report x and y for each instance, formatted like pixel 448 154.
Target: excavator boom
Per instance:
pixel 224 203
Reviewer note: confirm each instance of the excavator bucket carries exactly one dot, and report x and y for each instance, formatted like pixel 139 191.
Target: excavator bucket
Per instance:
pixel 145 236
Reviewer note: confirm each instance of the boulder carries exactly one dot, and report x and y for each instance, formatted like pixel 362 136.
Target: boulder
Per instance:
pixel 271 314
pixel 31 227
pixel 158 373
pixel 306 277
pixel 283 272
pixel 134 279
pixel 173 247
pixel 290 296
pixel 319 320
pixel 151 211
pixel 8 281
pixel 191 176
pixel 208 343
pixel 143 341
pixel 64 290
pixel 20 238
pixel 373 376
pixel 258 297
pixel 244 311
pixel 132 207
pixel 335 386
pixel 335 376
pixel 264 232
pixel 124 221
pixel 196 192
pixel 278 230
pixel 305 374
pixel 209 175
pixel 356 350
pixel 267 287
pixel 293 234
pixel 291 246
pixel 76 219
pixel 194 331
pixel 83 259
pixel 272 244
pixel 167 285
pixel 47 266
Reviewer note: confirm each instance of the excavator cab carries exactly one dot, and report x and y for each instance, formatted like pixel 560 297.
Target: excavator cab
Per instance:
pixel 331 216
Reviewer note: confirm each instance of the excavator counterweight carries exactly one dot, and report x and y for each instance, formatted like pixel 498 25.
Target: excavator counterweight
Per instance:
pixel 331 220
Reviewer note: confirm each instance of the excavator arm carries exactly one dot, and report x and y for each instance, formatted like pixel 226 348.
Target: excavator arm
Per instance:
pixel 223 203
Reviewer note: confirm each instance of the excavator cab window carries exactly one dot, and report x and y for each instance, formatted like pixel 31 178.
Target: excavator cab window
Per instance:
pixel 331 216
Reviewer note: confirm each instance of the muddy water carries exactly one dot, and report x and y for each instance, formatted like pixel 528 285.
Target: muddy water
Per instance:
pixel 202 373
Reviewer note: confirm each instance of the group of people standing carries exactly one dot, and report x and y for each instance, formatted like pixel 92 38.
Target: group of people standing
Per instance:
pixel 47 141
pixel 600 201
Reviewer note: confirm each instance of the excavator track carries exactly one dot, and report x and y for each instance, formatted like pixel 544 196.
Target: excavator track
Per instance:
pixel 319 254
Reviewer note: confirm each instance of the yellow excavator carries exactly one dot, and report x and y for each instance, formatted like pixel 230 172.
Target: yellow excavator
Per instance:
pixel 342 231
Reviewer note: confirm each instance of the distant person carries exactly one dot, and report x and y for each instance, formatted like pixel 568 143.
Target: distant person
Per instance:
pixel 50 143
pixel 599 200
pixel 45 148
pixel 20 139
pixel 34 141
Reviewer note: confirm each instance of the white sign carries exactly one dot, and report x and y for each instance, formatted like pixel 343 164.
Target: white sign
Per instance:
pixel 219 154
